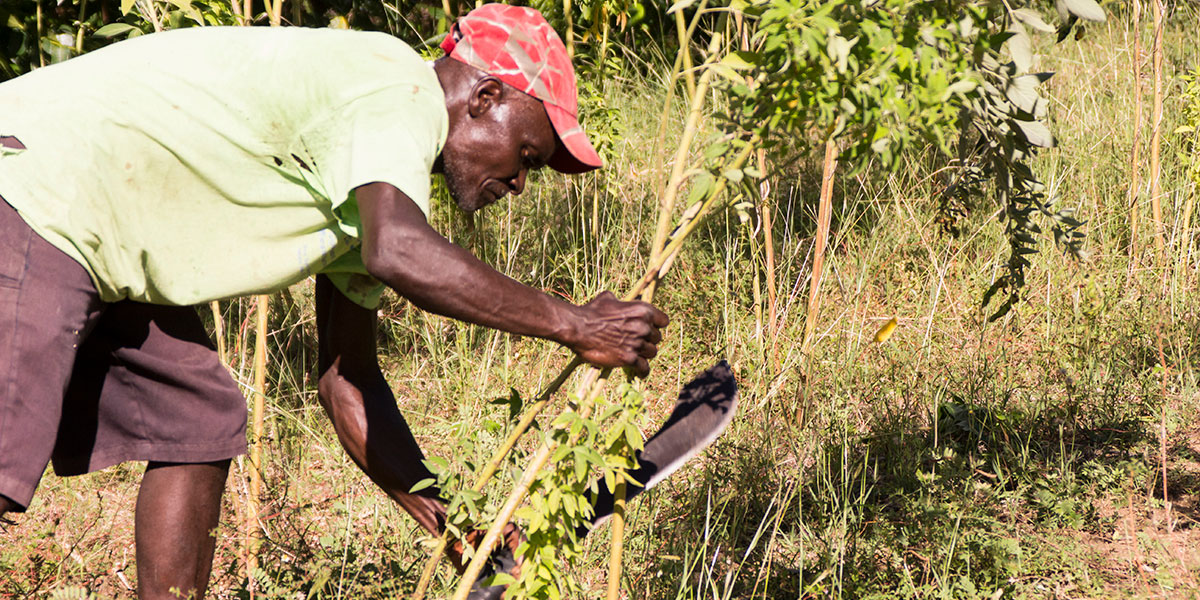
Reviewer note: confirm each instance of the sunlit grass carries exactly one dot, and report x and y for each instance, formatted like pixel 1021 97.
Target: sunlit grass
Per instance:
pixel 958 459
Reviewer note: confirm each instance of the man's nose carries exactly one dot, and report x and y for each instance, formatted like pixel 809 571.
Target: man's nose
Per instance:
pixel 517 184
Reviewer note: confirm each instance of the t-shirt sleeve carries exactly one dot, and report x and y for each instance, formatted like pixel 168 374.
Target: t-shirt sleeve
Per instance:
pixel 349 275
pixel 390 135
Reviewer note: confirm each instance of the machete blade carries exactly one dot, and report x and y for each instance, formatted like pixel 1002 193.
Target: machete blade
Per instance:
pixel 705 407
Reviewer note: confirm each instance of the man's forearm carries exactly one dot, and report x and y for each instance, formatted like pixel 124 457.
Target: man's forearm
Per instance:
pixel 445 279
pixel 377 438
pixel 402 250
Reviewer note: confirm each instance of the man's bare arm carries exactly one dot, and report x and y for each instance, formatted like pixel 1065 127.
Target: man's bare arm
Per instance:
pixel 359 402
pixel 362 407
pixel 402 250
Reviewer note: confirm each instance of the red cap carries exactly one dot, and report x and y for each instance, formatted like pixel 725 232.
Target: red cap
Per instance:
pixel 519 47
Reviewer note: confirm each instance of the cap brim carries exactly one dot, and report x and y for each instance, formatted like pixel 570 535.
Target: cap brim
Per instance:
pixel 575 153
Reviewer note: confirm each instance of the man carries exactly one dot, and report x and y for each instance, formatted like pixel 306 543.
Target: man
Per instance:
pixel 176 168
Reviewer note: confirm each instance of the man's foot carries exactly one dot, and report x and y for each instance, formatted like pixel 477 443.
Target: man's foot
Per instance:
pixel 501 561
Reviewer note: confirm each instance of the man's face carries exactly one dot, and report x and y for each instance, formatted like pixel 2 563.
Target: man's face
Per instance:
pixel 506 135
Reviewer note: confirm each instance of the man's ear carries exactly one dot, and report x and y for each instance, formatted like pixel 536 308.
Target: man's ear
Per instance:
pixel 486 94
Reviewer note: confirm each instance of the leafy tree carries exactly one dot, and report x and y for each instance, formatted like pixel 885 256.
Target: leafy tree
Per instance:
pixel 885 77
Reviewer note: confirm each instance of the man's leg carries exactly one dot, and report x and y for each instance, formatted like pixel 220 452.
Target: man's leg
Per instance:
pixel 7 506
pixel 177 511
pixel 149 387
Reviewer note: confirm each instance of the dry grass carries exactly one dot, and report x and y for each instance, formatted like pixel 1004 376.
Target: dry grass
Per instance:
pixel 860 480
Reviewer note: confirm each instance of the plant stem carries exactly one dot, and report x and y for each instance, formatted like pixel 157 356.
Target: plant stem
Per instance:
pixel 493 465
pixel 684 35
pixel 219 330
pixel 661 137
pixel 616 547
pixel 79 32
pixel 824 216
pixel 38 44
pixel 772 294
pixel 1162 431
pixel 1135 173
pixel 671 192
pixel 570 18
pixel 260 390
pixel 1156 135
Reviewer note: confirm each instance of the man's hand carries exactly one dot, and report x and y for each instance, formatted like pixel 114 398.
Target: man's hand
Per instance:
pixel 400 249
pixel 612 333
pixel 511 539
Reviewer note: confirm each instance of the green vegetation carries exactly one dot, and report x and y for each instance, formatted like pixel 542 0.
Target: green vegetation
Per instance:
pixel 963 457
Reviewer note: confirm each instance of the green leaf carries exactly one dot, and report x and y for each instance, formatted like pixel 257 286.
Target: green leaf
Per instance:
pixel 422 484
pixel 962 86
pixel 127 6
pixel 1036 133
pixel 1031 18
pixel 1020 48
pixel 1087 10
pixel 740 61
pixel 1022 91
pixel 633 437
pixel 728 72
pixel 703 183
pixel 678 6
pixel 436 463
pixel 113 30
pixel 580 467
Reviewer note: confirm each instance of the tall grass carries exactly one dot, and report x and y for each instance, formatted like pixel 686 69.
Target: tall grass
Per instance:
pixel 959 460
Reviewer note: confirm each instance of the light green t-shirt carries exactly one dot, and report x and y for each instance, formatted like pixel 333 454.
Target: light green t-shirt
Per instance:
pixel 208 163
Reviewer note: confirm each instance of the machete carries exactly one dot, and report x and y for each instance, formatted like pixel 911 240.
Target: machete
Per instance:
pixel 705 408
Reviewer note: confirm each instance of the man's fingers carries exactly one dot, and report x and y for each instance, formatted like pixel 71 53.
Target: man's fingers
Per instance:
pixel 654 336
pixel 648 350
pixel 660 318
pixel 641 368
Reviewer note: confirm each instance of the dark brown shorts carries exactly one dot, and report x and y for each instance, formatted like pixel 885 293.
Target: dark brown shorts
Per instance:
pixel 89 384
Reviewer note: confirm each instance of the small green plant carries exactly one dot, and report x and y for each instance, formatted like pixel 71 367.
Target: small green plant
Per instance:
pixel 72 593
pixel 559 502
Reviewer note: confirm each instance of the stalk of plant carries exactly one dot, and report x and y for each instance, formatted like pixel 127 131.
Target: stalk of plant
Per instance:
pixel 79 32
pixel 664 224
pixel 1156 135
pixel 493 465
pixel 769 249
pixel 1135 173
pixel 671 192
pixel 570 29
pixel 275 10
pixel 1162 422
pixel 824 216
pixel 260 388
pixel 218 330
pixel 594 380
pixel 40 55
pixel 684 33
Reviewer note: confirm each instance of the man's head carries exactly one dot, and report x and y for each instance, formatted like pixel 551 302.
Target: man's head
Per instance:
pixel 510 93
